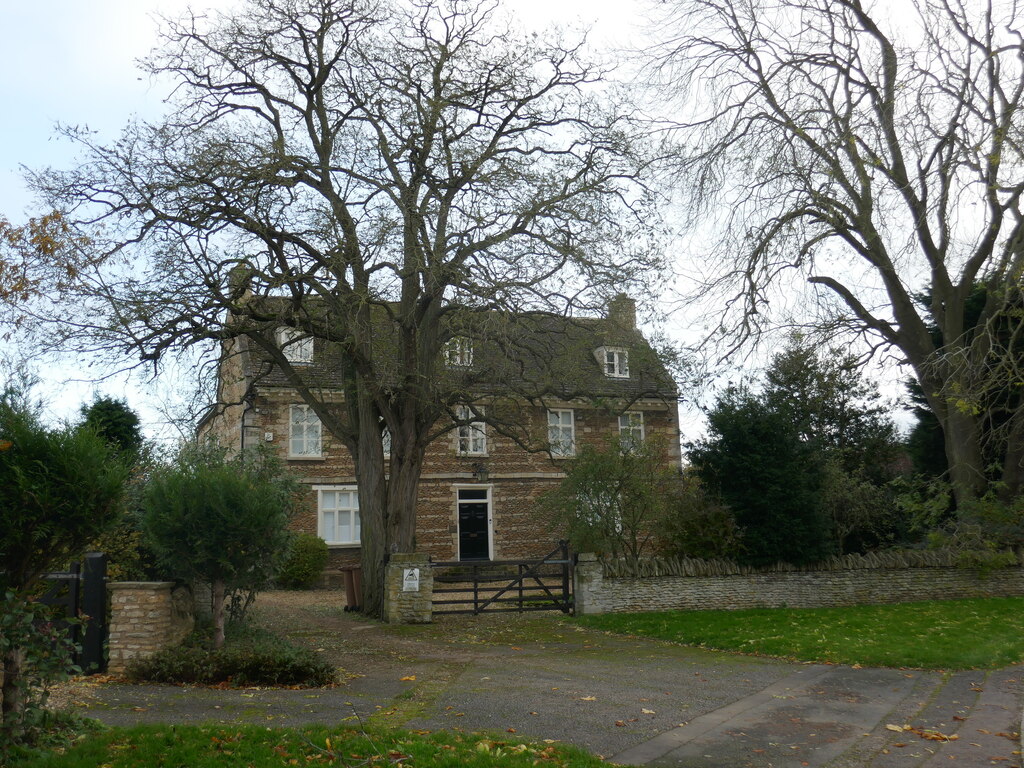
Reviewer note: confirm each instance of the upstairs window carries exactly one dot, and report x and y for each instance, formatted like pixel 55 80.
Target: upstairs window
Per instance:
pixel 297 347
pixel 562 433
pixel 615 362
pixel 458 352
pixel 631 429
pixel 471 438
pixel 303 433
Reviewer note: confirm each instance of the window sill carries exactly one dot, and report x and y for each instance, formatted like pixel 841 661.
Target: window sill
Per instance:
pixel 307 458
pixel 356 545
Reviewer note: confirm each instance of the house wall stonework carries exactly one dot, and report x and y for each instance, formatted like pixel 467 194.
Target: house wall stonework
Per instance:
pixel 595 593
pixel 516 477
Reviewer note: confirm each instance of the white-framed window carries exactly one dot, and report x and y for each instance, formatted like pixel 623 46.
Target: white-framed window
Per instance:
pixel 385 440
pixel 458 352
pixel 303 432
pixel 631 429
pixel 562 432
pixel 614 361
pixel 297 347
pixel 338 514
pixel 471 438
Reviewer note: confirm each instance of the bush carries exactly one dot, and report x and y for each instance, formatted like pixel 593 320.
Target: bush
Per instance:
pixel 305 562
pixel 700 525
pixel 614 497
pixel 258 658
pixel 220 520
pixel 44 654
pixel 757 462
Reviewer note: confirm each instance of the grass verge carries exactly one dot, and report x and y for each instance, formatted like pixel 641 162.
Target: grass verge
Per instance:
pixel 948 634
pixel 202 746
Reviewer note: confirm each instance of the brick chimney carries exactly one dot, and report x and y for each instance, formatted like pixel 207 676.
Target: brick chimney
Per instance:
pixel 622 311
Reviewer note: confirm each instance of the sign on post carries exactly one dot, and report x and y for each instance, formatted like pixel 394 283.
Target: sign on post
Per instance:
pixel 411 580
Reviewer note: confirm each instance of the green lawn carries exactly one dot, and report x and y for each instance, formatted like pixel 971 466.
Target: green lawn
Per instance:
pixel 260 747
pixel 952 634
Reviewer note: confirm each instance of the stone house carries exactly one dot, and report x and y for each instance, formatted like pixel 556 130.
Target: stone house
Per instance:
pixel 480 481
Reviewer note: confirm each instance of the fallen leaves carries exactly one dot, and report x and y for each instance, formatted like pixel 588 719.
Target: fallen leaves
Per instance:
pixel 407 679
pixel 924 733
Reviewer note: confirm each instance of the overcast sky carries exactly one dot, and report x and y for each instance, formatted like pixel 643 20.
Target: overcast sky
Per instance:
pixel 73 62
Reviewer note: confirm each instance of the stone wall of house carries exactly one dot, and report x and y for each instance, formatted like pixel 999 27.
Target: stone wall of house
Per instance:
pixel 515 477
pixel 146 617
pixel 595 593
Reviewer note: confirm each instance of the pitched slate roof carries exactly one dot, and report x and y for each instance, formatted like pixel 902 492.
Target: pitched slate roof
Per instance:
pixel 533 355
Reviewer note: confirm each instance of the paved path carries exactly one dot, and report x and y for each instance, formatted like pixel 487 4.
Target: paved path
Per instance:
pixel 837 716
pixel 632 701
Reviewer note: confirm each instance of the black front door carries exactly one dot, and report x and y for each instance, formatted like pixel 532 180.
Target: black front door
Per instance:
pixel 474 538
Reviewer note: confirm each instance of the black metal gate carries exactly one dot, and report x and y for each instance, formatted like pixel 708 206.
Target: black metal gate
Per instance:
pixel 505 585
pixel 81 592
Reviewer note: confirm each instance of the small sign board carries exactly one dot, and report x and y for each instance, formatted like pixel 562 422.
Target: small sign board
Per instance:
pixel 410 579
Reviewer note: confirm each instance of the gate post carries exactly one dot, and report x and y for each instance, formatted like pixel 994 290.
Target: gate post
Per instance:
pixel 408 589
pixel 94 605
pixel 588 578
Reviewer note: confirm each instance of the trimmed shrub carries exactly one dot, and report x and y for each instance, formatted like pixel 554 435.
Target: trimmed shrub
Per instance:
pixel 305 562
pixel 259 658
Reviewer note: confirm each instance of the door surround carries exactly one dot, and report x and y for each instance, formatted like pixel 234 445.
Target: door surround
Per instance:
pixel 466 494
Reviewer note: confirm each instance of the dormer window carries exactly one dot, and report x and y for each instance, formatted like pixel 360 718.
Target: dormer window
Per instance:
pixel 297 347
pixel 614 361
pixel 459 352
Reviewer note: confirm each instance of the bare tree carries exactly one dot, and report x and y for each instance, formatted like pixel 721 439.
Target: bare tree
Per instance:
pixel 874 152
pixel 380 176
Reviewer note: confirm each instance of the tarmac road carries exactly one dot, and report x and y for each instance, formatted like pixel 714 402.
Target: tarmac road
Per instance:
pixel 633 701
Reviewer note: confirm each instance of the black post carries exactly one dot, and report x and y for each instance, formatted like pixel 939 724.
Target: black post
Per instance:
pixel 94 606
pixel 564 546
pixel 520 587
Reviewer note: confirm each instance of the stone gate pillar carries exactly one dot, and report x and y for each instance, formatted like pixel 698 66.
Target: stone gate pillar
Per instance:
pixel 588 584
pixel 408 589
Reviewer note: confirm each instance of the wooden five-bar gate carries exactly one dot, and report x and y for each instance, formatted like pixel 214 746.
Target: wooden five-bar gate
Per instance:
pixel 544 584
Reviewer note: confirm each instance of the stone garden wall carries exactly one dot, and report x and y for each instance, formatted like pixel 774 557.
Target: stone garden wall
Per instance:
pixel 596 593
pixel 146 617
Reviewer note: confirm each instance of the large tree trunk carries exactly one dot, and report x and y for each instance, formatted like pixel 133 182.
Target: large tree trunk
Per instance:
pixel 962 436
pixel 1013 459
pixel 373 533
pixel 388 517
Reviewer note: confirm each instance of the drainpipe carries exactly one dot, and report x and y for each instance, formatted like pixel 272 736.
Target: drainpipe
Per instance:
pixel 249 402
